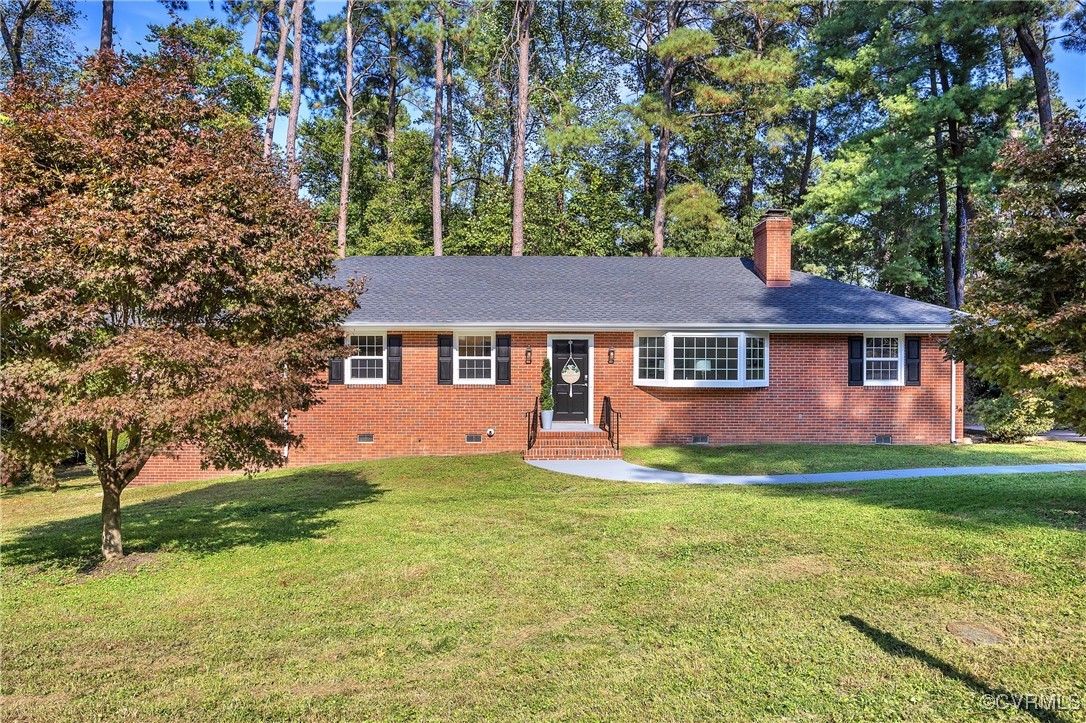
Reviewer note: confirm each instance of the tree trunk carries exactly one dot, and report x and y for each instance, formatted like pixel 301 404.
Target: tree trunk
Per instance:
pixel 746 191
pixel 962 205
pixel 667 79
pixel 944 210
pixel 393 104
pixel 277 83
pixel 525 10
pixel 447 125
pixel 295 96
pixel 107 26
pixel 1005 43
pixel 348 127
pixel 963 219
pixel 808 154
pixel 259 35
pixel 647 184
pixel 14 43
pixel 1035 56
pixel 112 549
pixel 439 80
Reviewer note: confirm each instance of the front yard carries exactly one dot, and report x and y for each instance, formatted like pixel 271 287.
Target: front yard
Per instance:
pixel 811 458
pixel 479 587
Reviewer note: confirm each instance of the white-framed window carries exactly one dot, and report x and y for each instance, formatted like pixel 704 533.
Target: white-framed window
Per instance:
pixel 683 359
pixel 651 359
pixel 473 358
pixel 757 363
pixel 884 362
pixel 367 363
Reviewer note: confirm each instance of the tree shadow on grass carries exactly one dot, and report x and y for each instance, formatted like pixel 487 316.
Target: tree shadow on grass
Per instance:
pixel 977 502
pixel 897 647
pixel 260 511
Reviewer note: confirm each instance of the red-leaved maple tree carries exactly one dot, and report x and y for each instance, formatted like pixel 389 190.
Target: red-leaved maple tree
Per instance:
pixel 161 284
pixel 1026 326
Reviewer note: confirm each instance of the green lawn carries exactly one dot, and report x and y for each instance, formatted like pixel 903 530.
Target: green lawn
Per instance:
pixel 481 588
pixel 812 458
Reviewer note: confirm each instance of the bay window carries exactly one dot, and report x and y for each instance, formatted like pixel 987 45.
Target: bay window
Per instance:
pixel 680 359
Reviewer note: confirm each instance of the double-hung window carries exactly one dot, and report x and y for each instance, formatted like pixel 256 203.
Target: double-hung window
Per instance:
pixel 680 359
pixel 366 363
pixel 474 359
pixel 883 361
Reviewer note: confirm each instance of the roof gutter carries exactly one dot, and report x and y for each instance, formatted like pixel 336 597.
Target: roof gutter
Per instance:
pixel 566 326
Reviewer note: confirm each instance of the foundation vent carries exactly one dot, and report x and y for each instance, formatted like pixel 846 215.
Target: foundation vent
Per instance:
pixel 699 439
pixel 473 438
pixel 365 439
pixel 883 439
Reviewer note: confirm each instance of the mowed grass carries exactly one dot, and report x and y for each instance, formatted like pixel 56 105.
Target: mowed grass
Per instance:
pixel 482 588
pixel 813 458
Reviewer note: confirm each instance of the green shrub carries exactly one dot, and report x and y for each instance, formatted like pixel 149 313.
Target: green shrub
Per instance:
pixel 1012 419
pixel 546 399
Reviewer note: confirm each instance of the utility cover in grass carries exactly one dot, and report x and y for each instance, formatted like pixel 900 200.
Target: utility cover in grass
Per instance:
pixel 976 633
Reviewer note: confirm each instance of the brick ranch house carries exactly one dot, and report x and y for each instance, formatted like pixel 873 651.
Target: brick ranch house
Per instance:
pixel 443 357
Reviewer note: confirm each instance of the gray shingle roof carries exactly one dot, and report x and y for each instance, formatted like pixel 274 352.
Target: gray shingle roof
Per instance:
pixel 610 292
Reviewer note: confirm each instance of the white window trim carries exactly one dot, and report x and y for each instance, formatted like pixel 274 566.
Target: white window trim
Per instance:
pixel 669 362
pixel 900 381
pixel 456 334
pixel 347 378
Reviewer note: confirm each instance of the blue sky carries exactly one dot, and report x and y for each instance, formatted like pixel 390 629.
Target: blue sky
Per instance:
pixel 131 18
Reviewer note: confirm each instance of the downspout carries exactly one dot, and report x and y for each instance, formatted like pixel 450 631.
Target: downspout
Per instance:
pixel 953 402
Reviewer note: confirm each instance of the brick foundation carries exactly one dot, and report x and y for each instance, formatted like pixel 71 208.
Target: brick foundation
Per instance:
pixel 808 400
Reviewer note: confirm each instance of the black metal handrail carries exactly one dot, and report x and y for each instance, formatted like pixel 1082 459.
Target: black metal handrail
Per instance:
pixel 533 424
pixel 610 423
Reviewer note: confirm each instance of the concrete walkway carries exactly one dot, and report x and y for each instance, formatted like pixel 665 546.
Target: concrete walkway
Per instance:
pixel 618 470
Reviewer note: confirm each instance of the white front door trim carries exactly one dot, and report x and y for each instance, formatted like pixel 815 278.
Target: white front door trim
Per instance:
pixel 591 367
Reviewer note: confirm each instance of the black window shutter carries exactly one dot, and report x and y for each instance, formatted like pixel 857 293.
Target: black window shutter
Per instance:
pixel 912 361
pixel 444 359
pixel 335 371
pixel 503 343
pixel 335 367
pixel 394 346
pixel 855 361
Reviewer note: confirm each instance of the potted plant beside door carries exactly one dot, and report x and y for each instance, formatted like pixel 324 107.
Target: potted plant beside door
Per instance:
pixel 546 399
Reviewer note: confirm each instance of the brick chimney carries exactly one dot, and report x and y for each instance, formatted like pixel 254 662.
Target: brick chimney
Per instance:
pixel 773 248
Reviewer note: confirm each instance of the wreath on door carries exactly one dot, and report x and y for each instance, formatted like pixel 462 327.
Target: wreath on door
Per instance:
pixel 570 371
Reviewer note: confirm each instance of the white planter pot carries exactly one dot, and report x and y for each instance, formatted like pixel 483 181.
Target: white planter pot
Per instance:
pixel 547 416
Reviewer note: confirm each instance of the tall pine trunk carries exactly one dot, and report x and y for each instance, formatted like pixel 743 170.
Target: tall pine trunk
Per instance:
pixel 277 83
pixel 295 96
pixel 447 123
pixel 1035 56
pixel 393 109
pixel 944 205
pixel 106 42
pixel 439 80
pixel 962 204
pixel 808 154
pixel 525 10
pixel 667 79
pixel 348 127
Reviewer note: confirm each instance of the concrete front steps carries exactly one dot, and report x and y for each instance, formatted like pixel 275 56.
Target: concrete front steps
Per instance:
pixel 561 442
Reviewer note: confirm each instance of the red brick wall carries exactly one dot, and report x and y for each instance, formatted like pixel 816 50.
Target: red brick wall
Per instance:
pixel 807 400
